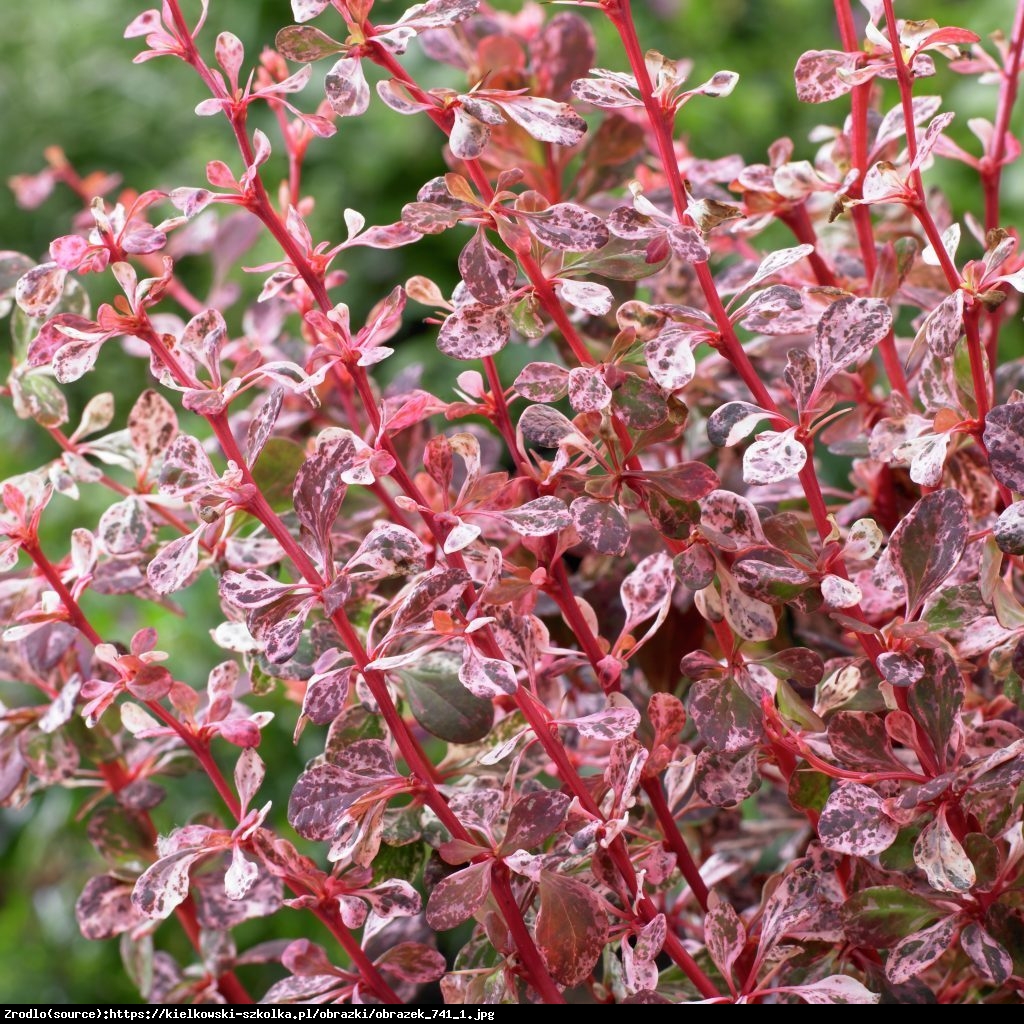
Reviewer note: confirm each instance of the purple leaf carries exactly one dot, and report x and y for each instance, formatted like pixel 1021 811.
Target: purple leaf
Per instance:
pixel 928 542
pixel 346 88
pixel 319 487
pixel 601 524
pixel 532 819
pixel 1004 439
pixel 325 696
pixel 571 927
pixel 474 331
pixel 859 741
pixel 488 273
pixel 393 898
pixel 325 792
pixel 937 698
pixel 459 896
pixel 563 51
pixel 854 822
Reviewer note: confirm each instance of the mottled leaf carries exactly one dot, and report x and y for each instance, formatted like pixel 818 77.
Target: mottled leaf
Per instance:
pixel 571 927
pixel 670 359
pixel 538 518
pixel 532 819
pixel 601 524
pixel 732 422
pixel 909 957
pixel 847 334
pixel 1004 439
pixel 726 718
pixel 854 822
pixel 174 564
pixel 568 227
pixel 458 896
pixel 928 542
pixel 474 331
pixel 773 457
pixel 936 699
pixel 488 273
pixel 835 989
pixel 818 76
pixel 1009 529
pixel 989 956
pixel 940 856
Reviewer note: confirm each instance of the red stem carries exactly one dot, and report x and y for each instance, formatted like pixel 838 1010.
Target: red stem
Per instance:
pixel 684 859
pixel 536 969
pixel 993 161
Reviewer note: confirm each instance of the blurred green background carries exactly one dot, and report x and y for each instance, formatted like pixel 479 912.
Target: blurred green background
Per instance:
pixel 67 78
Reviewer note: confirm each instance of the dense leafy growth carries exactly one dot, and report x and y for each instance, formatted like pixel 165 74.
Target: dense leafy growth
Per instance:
pixel 607 681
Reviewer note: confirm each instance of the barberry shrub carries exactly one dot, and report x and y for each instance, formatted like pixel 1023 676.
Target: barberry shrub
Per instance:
pixel 681 662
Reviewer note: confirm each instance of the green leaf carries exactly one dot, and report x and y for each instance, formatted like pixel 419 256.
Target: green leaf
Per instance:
pixel 441 704
pixel 275 471
pixel 24 328
pixel 808 790
pixel 881 916
pixel 37 396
